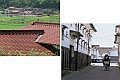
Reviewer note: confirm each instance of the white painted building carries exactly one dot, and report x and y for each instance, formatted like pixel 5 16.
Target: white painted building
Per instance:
pixel 70 33
pixel 76 38
pixel 98 52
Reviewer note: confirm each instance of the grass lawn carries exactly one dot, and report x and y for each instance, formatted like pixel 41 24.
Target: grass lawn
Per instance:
pixel 17 22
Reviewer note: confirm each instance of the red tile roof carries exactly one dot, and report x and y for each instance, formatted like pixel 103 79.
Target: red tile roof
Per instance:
pixel 21 40
pixel 51 32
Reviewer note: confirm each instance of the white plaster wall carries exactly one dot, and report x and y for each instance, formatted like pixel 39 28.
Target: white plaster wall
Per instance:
pixel 114 53
pixel 67 41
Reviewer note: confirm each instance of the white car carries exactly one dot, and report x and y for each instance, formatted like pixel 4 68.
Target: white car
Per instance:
pixel 97 60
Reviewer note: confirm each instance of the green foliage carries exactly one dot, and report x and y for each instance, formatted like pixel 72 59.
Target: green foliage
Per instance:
pixel 28 53
pixel 31 52
pixel 49 4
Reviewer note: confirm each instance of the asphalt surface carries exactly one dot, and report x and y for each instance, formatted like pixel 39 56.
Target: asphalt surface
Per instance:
pixel 94 73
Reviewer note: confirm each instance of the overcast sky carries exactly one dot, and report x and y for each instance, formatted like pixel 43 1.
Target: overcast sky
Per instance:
pixel 104 35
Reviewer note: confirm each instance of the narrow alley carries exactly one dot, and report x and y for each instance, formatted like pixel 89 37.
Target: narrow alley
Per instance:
pixel 86 47
pixel 94 73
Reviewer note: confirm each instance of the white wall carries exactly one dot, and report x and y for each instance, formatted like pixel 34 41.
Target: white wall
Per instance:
pixel 67 40
pixel 114 53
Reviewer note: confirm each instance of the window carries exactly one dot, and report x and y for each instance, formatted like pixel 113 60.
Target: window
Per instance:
pixel 76 27
pixel 72 51
pixel 64 32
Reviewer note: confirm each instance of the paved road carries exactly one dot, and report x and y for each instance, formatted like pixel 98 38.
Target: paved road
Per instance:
pixel 94 73
pixel 101 64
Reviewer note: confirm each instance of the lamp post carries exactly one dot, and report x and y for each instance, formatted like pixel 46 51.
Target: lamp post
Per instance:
pixel 117 41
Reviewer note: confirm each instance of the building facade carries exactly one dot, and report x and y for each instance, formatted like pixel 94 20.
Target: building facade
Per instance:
pixel 98 52
pixel 95 52
pixel 117 40
pixel 22 11
pixel 75 48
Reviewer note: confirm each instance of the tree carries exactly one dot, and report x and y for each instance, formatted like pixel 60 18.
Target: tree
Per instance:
pixel 50 4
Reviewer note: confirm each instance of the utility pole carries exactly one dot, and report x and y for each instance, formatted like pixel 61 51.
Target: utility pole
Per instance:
pixel 76 54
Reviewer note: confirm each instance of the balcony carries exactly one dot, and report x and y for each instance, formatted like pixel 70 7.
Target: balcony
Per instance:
pixel 75 34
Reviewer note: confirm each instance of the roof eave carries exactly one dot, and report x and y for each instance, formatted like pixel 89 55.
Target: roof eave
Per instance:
pixel 93 27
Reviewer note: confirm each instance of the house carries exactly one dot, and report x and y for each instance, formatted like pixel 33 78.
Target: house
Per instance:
pixel 76 45
pixel 52 31
pixel 22 11
pixel 39 38
pixel 51 36
pixel 13 11
pixel 98 52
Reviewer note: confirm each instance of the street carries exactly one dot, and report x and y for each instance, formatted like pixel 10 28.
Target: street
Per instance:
pixel 95 73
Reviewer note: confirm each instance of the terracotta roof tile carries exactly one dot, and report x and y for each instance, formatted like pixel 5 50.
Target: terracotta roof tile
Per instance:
pixel 21 40
pixel 51 32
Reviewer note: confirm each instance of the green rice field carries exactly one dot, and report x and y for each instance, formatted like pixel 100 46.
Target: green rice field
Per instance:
pixel 17 22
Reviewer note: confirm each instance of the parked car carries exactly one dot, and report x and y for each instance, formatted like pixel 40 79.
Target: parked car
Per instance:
pixel 97 60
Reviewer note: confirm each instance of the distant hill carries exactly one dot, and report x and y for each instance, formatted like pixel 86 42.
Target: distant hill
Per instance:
pixel 49 4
